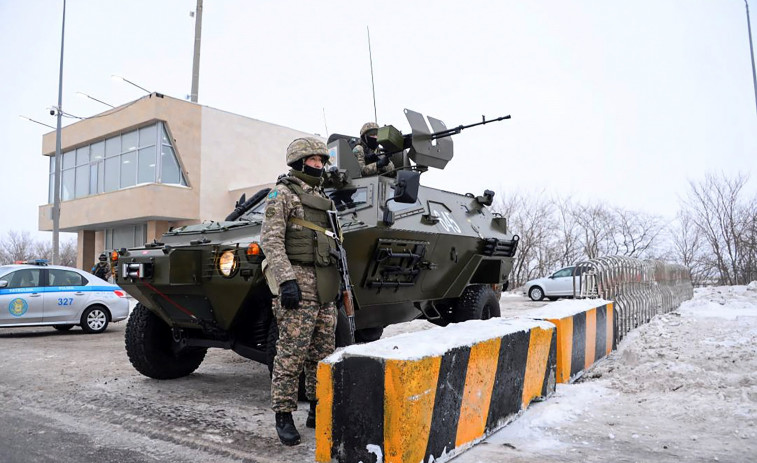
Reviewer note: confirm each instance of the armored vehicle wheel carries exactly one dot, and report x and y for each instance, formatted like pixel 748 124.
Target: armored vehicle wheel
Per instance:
pixel 536 293
pixel 478 302
pixel 152 350
pixel 63 327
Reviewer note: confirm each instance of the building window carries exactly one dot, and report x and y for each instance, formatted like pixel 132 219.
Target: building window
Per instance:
pixel 126 237
pixel 144 155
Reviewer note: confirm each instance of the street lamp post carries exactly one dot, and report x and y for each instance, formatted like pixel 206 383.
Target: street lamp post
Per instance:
pixel 58 155
pixel 751 50
pixel 93 98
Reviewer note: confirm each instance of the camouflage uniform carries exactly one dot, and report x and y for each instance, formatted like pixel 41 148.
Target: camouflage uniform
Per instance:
pixel 360 151
pixel 306 334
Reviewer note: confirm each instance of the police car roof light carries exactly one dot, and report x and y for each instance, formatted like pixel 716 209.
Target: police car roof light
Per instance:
pixel 33 262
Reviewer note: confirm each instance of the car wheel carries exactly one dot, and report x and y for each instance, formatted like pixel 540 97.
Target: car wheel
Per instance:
pixel 152 349
pixel 369 334
pixel 478 302
pixel 95 319
pixel 63 327
pixel 536 293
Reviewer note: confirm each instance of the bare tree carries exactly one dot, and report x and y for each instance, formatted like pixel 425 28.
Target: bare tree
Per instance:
pixel 635 233
pixel 715 207
pixel 15 246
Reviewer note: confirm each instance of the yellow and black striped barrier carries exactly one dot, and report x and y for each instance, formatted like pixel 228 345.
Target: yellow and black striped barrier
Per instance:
pixel 421 396
pixel 585 334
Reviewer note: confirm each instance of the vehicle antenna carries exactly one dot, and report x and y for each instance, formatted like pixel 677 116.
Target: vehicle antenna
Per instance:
pixel 324 121
pixel 373 86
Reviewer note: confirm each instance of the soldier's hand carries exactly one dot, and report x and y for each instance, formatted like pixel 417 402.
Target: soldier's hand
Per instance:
pixel 290 294
pixel 382 161
pixel 370 158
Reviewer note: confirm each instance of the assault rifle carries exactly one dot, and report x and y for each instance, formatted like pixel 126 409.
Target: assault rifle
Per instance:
pixel 341 254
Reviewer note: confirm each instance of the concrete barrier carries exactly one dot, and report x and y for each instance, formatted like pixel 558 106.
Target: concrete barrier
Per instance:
pixel 585 333
pixel 426 396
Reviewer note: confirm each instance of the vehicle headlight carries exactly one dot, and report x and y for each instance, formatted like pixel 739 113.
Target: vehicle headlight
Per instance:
pixel 227 263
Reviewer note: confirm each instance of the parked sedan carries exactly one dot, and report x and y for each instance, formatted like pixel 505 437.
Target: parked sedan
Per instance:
pixel 37 294
pixel 559 284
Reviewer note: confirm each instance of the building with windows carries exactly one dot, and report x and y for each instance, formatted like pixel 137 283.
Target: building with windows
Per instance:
pixel 133 172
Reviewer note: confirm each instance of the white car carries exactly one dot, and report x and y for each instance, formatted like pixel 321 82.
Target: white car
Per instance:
pixel 559 284
pixel 37 294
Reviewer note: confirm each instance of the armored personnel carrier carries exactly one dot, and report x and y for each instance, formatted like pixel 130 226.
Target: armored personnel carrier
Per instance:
pixel 412 251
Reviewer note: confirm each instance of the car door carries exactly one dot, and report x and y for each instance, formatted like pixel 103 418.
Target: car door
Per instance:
pixel 562 283
pixel 21 298
pixel 64 296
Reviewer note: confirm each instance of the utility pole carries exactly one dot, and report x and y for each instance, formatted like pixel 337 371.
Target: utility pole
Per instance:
pixel 58 155
pixel 196 59
pixel 751 51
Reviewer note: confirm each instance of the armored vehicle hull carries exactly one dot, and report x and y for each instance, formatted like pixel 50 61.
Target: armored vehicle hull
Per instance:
pixel 442 256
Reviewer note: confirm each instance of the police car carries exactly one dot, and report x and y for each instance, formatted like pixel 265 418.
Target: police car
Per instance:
pixel 36 294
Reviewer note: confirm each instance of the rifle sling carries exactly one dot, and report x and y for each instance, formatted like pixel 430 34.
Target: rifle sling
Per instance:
pixel 310 225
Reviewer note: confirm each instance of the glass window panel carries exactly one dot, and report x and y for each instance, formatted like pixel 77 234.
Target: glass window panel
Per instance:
pixel 58 277
pixel 123 237
pixel 82 181
pixel 146 165
pixel 82 155
pixel 109 239
pixel 51 189
pixel 52 164
pixel 113 146
pixel 164 137
pixel 67 185
pixel 169 167
pixel 26 278
pixel 112 174
pixel 100 177
pixel 147 136
pixel 97 151
pixel 130 141
pixel 93 179
pixel 69 159
pixel 128 169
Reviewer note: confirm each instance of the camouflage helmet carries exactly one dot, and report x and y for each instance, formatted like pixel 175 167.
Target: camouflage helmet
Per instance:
pixel 302 148
pixel 368 126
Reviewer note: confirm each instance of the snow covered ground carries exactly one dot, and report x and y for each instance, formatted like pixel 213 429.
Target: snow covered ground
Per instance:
pixel 682 388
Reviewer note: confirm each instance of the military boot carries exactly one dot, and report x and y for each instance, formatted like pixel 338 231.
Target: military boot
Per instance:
pixel 285 428
pixel 310 422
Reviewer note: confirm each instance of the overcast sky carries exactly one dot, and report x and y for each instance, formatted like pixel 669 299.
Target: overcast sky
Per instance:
pixel 621 102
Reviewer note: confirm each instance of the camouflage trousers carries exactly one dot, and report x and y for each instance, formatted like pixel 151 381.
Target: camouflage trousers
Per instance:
pixel 306 336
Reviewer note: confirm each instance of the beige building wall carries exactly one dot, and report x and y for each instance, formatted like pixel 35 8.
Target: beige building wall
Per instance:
pixel 221 155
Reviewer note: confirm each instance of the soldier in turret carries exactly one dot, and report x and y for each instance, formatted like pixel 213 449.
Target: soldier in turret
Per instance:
pixel 297 249
pixel 371 163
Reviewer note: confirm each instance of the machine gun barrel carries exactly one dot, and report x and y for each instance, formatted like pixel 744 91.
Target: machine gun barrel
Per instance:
pixel 460 128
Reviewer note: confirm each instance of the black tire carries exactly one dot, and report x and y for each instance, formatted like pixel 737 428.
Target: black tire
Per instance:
pixel 368 334
pixel 536 293
pixel 152 350
pixel 95 319
pixel 63 327
pixel 478 302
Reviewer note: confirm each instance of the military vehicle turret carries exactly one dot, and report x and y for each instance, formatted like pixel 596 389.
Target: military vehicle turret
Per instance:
pixel 413 252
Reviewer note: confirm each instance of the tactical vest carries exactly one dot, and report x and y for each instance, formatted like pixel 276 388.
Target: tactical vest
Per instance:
pixel 310 247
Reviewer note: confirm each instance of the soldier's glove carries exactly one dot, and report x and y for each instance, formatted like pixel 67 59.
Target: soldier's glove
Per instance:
pixel 290 294
pixel 370 158
pixel 382 161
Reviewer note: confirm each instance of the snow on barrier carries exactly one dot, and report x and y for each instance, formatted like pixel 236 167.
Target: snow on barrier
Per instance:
pixel 427 396
pixel 585 333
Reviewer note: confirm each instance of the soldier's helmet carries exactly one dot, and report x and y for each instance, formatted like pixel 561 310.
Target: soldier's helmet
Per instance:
pixel 366 127
pixel 302 148
pixel 102 257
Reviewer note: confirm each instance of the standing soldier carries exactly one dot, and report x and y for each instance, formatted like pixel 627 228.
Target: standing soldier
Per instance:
pixel 299 257
pixel 371 163
pixel 102 268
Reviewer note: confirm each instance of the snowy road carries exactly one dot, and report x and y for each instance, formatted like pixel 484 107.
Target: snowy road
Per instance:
pixel 681 389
